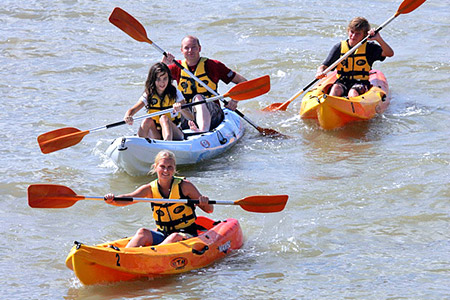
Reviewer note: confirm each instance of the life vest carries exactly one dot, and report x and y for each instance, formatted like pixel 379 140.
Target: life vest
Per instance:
pixel 170 217
pixel 189 87
pixel 156 105
pixel 355 67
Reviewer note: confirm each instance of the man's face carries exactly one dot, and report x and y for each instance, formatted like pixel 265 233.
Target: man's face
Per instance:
pixel 355 36
pixel 190 49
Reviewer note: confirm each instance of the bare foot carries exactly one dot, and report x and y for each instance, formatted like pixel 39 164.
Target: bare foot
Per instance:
pixel 193 126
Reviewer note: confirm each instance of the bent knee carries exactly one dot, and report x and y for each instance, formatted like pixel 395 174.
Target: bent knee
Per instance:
pixel 178 236
pixel 148 122
pixel 353 93
pixel 142 232
pixel 336 90
pixel 164 119
pixel 198 97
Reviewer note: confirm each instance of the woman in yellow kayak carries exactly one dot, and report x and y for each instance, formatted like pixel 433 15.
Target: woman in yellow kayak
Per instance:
pixel 160 94
pixel 353 72
pixel 174 221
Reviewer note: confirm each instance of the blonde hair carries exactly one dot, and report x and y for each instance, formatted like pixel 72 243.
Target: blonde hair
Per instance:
pixel 161 155
pixel 359 24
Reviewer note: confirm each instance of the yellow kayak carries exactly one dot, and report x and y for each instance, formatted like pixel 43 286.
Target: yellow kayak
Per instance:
pixel 111 262
pixel 334 112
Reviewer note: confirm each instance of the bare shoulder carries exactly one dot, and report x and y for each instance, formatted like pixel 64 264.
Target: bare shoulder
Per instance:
pixel 185 183
pixel 188 188
pixel 144 191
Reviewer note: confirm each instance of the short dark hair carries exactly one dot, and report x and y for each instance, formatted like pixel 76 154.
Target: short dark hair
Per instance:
pixel 359 24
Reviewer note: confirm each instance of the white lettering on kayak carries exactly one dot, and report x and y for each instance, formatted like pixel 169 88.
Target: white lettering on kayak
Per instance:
pixel 224 248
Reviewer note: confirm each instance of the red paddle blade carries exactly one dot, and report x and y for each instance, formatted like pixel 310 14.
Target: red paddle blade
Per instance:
pixel 408 6
pixel 272 133
pixel 263 204
pixel 129 25
pixel 250 89
pixel 59 139
pixel 51 196
pixel 276 106
pixel 56 133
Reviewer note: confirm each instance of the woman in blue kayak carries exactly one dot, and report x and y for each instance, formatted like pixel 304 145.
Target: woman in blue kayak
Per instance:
pixel 174 221
pixel 160 94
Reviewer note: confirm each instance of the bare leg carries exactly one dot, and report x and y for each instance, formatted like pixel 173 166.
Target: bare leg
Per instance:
pixel 148 130
pixel 175 237
pixel 193 126
pixel 177 133
pixel 353 93
pixel 143 237
pixel 336 90
pixel 170 131
pixel 166 129
pixel 357 89
pixel 203 117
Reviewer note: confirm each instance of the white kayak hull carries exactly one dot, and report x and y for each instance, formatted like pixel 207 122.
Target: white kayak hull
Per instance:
pixel 135 155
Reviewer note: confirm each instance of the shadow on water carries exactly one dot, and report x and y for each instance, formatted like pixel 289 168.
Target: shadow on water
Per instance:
pixel 193 282
pixel 150 288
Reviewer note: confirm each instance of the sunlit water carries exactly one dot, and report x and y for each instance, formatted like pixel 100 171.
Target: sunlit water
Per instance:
pixel 368 214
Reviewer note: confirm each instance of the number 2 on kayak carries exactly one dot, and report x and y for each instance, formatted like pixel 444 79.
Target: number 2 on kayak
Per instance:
pixel 118 260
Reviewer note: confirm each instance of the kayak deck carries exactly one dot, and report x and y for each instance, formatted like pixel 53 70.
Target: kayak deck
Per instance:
pixel 135 154
pixel 334 112
pixel 111 262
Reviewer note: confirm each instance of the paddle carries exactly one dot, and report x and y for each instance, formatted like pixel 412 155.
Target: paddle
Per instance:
pixel 59 196
pixel 407 6
pixel 136 30
pixel 66 137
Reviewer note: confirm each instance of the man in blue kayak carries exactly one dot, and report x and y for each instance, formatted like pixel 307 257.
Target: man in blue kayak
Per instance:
pixel 209 115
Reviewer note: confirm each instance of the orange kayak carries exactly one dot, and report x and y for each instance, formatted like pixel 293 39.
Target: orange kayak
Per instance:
pixel 111 262
pixel 333 112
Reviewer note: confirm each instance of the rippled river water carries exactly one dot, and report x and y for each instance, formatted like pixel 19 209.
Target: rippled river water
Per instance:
pixel 368 214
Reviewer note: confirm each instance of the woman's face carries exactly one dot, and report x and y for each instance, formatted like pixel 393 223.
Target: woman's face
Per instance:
pixel 165 169
pixel 162 80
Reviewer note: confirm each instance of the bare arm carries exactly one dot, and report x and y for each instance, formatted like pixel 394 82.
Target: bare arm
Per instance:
pixel 238 78
pixel 169 59
pixel 319 72
pixel 132 111
pixel 193 193
pixel 186 112
pixel 387 50
pixel 144 191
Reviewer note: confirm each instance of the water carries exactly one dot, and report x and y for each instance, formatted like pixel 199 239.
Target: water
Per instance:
pixel 368 214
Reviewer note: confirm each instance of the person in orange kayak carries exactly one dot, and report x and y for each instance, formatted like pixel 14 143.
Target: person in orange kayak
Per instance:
pixel 353 72
pixel 174 221
pixel 160 94
pixel 209 115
